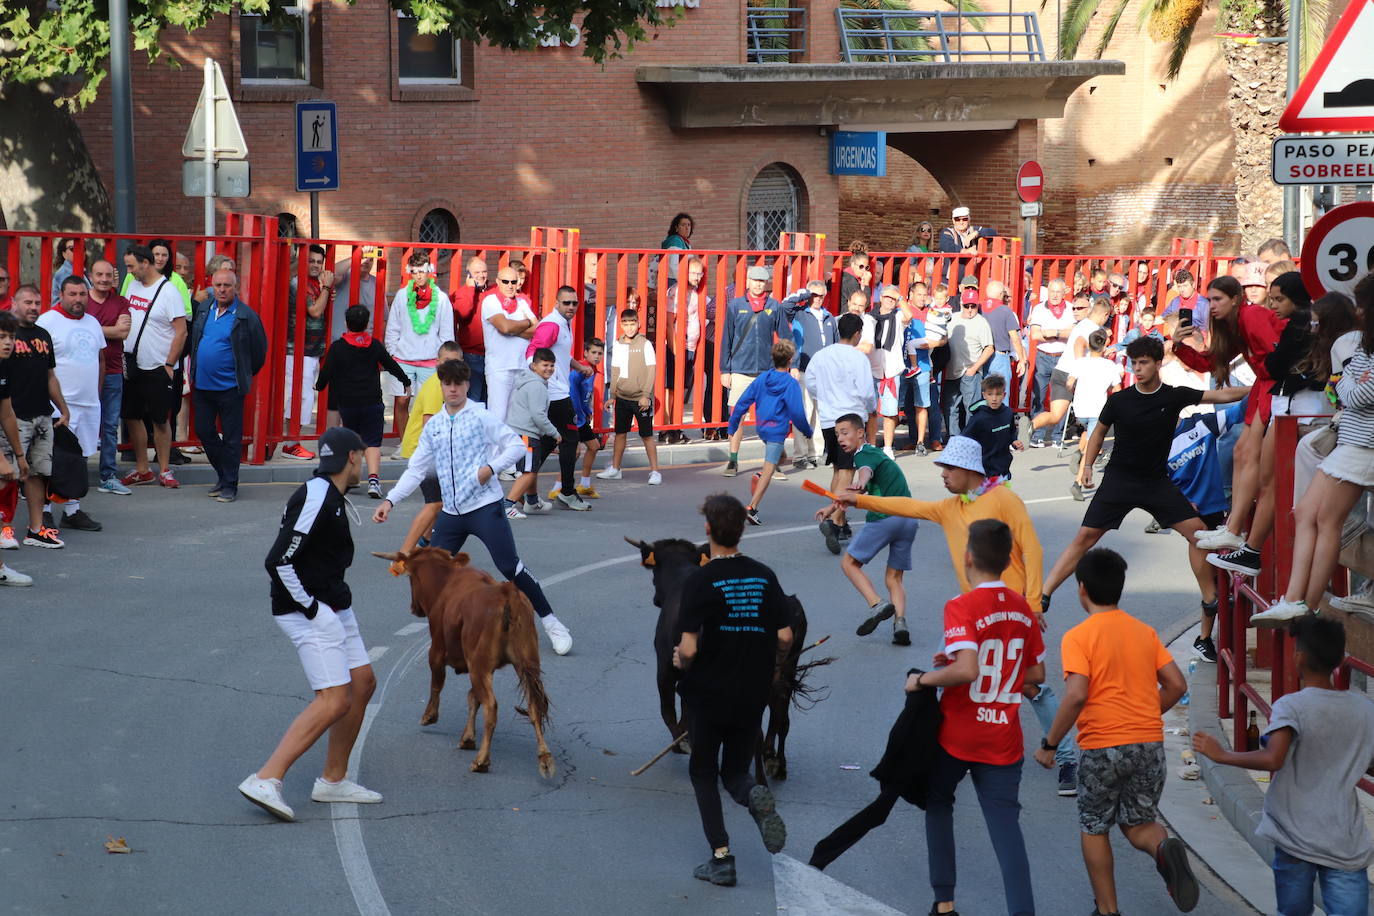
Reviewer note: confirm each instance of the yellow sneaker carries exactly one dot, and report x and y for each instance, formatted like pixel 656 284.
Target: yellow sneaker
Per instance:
pixel 588 492
pixel 553 494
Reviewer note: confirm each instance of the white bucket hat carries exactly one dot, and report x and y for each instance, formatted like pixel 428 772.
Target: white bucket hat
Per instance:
pixel 962 452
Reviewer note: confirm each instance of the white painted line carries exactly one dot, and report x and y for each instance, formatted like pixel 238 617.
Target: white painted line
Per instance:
pixel 1046 499
pixel 415 627
pixel 805 891
pixel 375 653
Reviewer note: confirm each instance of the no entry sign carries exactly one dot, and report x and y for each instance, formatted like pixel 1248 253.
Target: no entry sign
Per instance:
pixel 1030 181
pixel 1339 250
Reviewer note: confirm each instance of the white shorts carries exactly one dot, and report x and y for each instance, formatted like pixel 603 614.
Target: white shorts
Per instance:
pixel 1350 463
pixel 329 646
pixel 418 375
pixel 739 383
pixel 85 425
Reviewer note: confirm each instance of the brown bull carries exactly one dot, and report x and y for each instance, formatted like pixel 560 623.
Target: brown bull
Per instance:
pixel 476 625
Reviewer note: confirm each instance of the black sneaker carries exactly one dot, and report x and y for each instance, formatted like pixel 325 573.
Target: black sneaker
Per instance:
pixel 901 636
pixel 717 870
pixel 1244 560
pixel 80 521
pixel 880 613
pixel 1068 780
pixel 731 469
pixel 752 516
pixel 764 810
pixel 831 532
pixel 1171 861
pixel 846 533
pixel 1205 649
pixel 175 457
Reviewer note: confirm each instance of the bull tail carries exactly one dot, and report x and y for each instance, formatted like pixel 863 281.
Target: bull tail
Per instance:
pixel 517 619
pixel 803 694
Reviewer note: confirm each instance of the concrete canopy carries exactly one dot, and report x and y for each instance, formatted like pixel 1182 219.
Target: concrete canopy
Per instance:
pixel 836 95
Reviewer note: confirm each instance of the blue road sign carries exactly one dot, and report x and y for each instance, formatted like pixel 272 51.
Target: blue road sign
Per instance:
pixel 317 146
pixel 858 152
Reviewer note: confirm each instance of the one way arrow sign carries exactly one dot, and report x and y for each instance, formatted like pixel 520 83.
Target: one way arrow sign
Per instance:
pixel 1338 92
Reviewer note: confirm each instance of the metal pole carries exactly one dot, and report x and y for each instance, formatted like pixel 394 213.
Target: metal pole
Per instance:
pixel 1292 203
pixel 210 106
pixel 122 119
pixel 314 214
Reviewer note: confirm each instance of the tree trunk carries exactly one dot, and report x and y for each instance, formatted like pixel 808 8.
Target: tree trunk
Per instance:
pixel 48 181
pixel 1258 94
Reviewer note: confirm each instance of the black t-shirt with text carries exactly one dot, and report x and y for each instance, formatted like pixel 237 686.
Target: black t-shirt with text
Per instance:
pixel 28 372
pixel 4 379
pixel 1144 425
pixel 737 607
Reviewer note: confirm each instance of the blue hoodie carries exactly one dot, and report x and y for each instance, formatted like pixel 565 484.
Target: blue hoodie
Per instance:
pixel 778 400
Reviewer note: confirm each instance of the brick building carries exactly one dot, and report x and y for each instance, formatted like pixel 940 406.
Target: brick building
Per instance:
pixel 451 141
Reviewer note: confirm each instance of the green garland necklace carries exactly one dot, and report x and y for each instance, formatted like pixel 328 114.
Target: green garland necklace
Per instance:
pixel 421 323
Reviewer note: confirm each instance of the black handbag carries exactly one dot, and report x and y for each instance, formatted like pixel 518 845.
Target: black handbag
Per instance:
pixel 70 477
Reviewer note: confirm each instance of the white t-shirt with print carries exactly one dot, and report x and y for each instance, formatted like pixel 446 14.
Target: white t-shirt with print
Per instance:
pixel 159 313
pixel 504 351
pixel 76 345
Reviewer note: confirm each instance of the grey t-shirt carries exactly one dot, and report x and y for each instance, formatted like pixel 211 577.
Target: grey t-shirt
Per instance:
pixel 1003 322
pixel 1311 810
pixel 967 339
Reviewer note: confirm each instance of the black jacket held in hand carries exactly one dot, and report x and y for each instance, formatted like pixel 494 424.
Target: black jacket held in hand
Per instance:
pixel 313 550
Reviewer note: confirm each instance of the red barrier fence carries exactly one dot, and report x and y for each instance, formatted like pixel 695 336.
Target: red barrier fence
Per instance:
pixel 680 320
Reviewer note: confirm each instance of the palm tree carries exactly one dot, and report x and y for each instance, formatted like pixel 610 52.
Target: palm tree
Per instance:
pixel 1256 70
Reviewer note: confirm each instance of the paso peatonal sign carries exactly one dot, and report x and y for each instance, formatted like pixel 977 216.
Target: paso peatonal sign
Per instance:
pixel 1332 159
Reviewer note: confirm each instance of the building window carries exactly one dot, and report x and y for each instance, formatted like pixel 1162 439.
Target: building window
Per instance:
pixel 438 228
pixel 774 207
pixel 275 49
pixel 426 58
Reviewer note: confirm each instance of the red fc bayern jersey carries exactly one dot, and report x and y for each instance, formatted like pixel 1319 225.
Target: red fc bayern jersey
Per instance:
pixel 982 720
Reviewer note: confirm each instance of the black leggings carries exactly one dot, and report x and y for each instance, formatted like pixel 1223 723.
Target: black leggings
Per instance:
pixel 562 416
pixel 490 526
pixel 724 749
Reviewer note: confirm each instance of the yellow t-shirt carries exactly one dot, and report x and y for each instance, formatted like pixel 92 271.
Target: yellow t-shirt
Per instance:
pixel 427 402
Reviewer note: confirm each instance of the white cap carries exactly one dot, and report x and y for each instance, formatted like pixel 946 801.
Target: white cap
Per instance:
pixel 962 452
pixel 958 212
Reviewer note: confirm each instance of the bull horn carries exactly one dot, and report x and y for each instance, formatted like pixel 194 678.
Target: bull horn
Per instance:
pixel 393 557
pixel 633 543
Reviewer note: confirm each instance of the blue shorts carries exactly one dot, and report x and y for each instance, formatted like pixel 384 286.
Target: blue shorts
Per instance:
pixel 894 532
pixel 917 387
pixel 772 452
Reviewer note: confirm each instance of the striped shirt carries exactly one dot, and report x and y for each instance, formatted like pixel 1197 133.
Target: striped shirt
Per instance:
pixel 1356 391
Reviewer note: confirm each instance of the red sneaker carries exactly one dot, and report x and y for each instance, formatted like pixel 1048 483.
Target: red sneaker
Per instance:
pixel 167 480
pixel 134 478
pixel 297 451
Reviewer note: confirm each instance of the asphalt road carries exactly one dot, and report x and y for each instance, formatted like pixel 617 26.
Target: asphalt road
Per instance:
pixel 143 678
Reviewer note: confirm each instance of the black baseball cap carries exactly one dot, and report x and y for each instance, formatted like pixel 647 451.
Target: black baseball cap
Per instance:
pixel 335 446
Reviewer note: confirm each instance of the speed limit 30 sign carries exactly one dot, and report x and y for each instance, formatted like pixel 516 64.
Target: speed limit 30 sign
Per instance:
pixel 1339 249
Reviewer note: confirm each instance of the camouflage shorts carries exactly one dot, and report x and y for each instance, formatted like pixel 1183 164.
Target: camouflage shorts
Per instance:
pixel 1119 785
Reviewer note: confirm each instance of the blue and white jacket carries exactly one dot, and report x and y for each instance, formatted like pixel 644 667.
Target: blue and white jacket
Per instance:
pixel 453 447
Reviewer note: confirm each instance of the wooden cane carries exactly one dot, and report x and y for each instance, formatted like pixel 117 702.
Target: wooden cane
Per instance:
pixel 660 755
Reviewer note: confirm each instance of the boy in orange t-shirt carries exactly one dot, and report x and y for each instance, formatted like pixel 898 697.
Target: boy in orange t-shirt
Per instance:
pixel 1119 680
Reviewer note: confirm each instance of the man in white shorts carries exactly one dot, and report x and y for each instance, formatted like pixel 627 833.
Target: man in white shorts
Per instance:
pixel 314 607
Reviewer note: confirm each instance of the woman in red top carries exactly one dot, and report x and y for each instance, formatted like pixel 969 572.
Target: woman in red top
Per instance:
pixel 1250 331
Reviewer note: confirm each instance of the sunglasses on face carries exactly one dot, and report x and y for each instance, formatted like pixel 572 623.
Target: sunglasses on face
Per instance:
pixel 961 219
pixel 1114 285
pixel 509 282
pixel 1080 308
pixel 567 302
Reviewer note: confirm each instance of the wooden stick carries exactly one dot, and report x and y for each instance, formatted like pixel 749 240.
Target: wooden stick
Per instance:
pixel 660 755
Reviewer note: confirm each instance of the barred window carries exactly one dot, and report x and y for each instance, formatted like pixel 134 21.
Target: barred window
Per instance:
pixel 774 207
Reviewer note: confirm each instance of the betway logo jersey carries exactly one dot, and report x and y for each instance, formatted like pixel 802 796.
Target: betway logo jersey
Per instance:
pixel 1195 464
pixel 982 719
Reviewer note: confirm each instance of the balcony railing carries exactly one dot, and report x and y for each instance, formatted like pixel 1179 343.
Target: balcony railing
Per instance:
pixel 941 36
pixel 776 34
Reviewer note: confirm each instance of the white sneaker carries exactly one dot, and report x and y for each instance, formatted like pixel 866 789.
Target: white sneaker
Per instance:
pixel 513 511
pixel 266 794
pixel 558 634
pixel 1222 541
pixel 887 450
pixel 1361 603
pixel 344 790
pixel 609 474
pixel 538 505
pixel 1208 533
pixel 507 475
pixel 11 577
pixel 655 478
pixel 1280 613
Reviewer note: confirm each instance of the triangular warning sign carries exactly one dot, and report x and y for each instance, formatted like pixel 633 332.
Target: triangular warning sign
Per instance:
pixel 1338 92
pixel 229 141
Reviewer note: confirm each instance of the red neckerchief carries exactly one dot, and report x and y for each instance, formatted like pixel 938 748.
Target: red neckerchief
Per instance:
pixel 422 296
pixel 6 302
pixel 1059 311
pixel 65 313
pixel 757 302
pixel 511 304
pixel 359 339
pixel 312 287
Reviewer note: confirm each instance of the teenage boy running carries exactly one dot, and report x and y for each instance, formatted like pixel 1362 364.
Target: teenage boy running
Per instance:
pixel 777 399
pixel 1118 681
pixel 426 403
pixel 632 387
pixel 465 446
pixel 877 475
pixel 1319 744
pixel 1143 418
pixel 992 649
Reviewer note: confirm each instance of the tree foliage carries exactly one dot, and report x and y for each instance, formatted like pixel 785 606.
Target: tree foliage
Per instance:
pixel 69 42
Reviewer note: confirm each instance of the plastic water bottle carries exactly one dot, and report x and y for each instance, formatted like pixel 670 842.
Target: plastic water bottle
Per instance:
pixel 1187 694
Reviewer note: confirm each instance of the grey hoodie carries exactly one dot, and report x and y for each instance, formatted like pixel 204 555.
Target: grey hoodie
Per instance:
pixel 528 414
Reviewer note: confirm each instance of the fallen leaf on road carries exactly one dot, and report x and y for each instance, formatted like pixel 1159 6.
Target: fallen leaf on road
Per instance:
pixel 119 845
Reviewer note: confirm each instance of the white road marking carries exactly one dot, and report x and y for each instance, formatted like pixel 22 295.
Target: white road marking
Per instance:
pixel 1046 499
pixel 375 653
pixel 804 891
pixel 415 627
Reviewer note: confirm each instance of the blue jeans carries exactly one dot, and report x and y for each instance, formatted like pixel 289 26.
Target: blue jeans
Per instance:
pixel 1044 367
pixel 997 788
pixel 961 395
pixel 1046 707
pixel 223 446
pixel 477 384
pixel 1000 364
pixel 1343 892
pixel 111 397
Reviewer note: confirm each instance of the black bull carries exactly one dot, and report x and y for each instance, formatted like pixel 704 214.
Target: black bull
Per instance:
pixel 671 561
